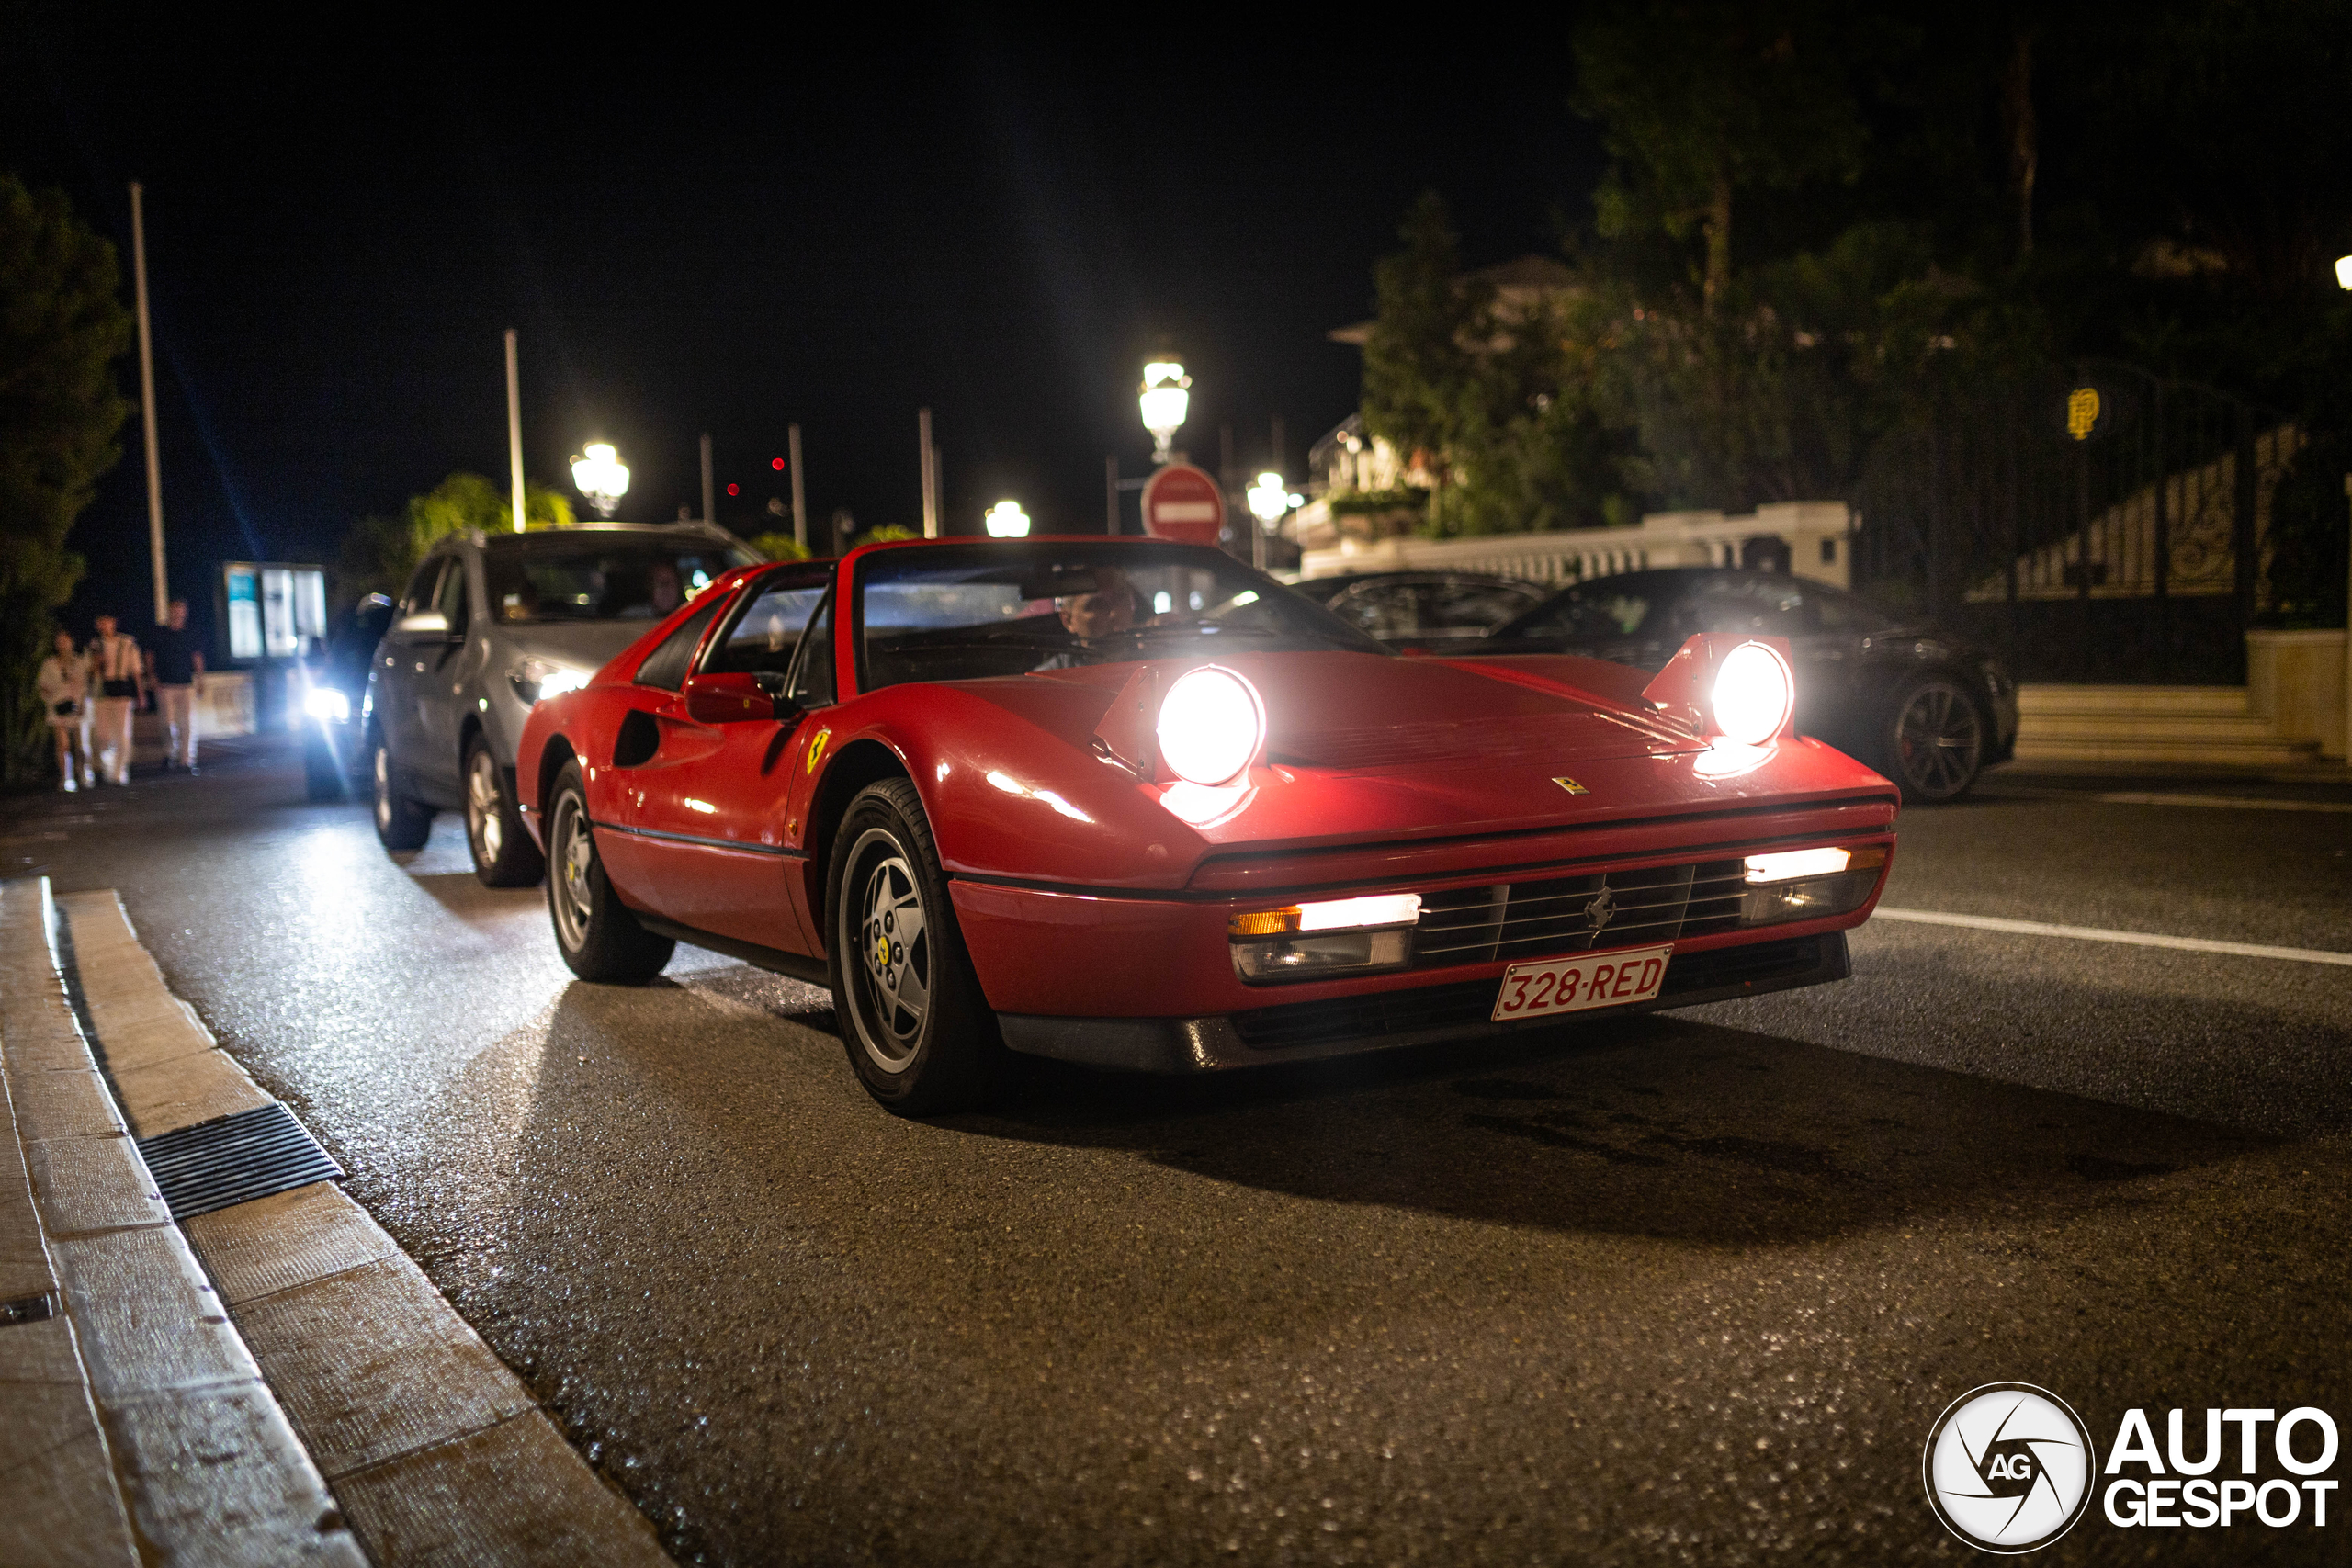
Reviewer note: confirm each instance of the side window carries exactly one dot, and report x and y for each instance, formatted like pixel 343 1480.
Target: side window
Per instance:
pixel 1772 606
pixel 812 678
pixel 666 666
pixel 1383 609
pixel 450 599
pixel 419 587
pixel 766 635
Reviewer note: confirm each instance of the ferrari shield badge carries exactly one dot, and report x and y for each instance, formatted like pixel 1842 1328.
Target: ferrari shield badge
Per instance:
pixel 1572 786
pixel 817 747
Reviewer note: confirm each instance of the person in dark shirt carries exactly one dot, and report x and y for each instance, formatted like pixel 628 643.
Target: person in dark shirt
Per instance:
pixel 175 664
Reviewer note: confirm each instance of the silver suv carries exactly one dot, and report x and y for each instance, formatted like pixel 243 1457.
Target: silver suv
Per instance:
pixel 489 626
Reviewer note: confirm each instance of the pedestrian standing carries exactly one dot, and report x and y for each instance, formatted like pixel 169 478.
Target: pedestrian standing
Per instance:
pixel 120 674
pixel 64 686
pixel 175 664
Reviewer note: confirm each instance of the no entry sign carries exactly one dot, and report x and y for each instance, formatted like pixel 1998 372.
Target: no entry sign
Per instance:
pixel 1182 503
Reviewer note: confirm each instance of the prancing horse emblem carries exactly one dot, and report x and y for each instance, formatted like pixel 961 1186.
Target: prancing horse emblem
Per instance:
pixel 1572 786
pixel 1598 911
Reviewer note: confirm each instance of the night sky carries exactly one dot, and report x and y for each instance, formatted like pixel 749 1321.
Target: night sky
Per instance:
pixel 732 227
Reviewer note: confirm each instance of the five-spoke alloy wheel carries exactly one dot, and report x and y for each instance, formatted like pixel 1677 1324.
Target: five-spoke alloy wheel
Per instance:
pixel 917 1029
pixel 598 937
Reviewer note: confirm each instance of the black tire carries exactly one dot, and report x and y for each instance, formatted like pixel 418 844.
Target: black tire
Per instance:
pixel 598 937
pixel 920 1034
pixel 504 854
pixel 1935 740
pixel 401 823
pixel 322 776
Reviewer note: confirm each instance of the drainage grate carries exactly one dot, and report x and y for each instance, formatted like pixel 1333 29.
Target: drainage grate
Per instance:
pixel 235 1159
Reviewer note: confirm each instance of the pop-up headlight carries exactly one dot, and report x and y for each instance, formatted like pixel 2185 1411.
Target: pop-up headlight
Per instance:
pixel 1806 884
pixel 1210 725
pixel 1313 941
pixel 1753 692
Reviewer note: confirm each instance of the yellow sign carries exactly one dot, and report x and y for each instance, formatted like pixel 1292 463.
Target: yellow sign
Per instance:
pixel 2082 413
pixel 817 747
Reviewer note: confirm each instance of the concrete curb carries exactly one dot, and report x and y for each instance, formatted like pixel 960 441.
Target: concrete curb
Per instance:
pixel 436 1452
pixel 139 1428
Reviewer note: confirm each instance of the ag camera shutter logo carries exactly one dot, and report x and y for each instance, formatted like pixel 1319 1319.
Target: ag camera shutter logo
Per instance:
pixel 2008 1467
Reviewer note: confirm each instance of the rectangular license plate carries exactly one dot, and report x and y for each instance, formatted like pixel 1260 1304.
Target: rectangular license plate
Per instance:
pixel 1587 980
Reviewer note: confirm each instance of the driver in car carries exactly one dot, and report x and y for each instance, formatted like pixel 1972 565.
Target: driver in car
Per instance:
pixel 1108 610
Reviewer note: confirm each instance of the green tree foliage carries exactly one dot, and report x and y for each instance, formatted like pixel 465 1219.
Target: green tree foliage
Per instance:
pixel 62 327
pixel 378 553
pixel 780 546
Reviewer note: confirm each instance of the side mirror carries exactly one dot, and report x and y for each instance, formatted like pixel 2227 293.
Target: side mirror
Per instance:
pixel 731 698
pixel 427 625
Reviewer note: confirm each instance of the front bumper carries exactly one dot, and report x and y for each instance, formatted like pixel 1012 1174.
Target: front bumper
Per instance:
pixel 1425 1015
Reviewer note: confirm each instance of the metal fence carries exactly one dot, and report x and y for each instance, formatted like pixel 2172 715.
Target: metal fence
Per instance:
pixel 2101 525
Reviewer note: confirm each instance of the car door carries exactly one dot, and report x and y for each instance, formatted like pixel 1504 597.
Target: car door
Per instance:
pixel 442 699
pixel 726 815
pixel 417 643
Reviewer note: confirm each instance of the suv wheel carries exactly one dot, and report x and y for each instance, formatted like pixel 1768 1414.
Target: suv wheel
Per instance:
pixel 401 823
pixel 504 854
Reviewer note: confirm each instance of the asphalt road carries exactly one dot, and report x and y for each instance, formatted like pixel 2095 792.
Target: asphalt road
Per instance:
pixel 1689 1288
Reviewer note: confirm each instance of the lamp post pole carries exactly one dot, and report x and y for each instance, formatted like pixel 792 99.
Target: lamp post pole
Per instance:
pixel 515 429
pixel 709 489
pixel 929 475
pixel 147 405
pixel 799 496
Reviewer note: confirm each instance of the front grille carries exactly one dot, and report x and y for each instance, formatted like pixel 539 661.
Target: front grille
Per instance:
pixel 1571 914
pixel 1472 1002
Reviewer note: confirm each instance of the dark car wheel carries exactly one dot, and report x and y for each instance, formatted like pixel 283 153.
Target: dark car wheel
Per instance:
pixel 504 854
pixel 401 823
pixel 598 937
pixel 918 1031
pixel 1936 741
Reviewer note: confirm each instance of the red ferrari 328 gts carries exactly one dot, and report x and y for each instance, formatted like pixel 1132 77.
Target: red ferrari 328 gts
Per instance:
pixel 1128 803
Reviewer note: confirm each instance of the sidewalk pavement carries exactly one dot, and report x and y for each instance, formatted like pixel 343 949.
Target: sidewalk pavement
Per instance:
pixel 233 1387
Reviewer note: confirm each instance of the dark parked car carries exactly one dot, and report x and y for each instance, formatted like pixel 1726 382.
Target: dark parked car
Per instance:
pixel 1927 709
pixel 1436 610
pixel 334 701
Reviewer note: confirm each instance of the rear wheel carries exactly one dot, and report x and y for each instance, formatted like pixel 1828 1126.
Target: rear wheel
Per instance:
pixel 504 854
pixel 598 937
pixel 918 1031
pixel 1935 743
pixel 401 823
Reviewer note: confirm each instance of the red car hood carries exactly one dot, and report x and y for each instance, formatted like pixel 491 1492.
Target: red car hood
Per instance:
pixel 1363 749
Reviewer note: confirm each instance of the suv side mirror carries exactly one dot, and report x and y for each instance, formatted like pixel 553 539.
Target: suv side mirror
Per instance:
pixel 427 625
pixel 731 698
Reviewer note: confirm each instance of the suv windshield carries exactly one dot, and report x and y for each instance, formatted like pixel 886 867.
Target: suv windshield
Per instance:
pixel 597 576
pixel 1007 608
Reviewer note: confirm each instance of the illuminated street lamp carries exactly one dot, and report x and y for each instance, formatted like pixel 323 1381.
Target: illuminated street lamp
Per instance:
pixel 602 477
pixel 2344 280
pixel 1007 521
pixel 1165 396
pixel 1271 501
pixel 2344 272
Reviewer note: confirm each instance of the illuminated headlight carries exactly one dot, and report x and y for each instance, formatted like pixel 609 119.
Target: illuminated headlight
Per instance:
pixel 536 679
pixel 1211 725
pixel 1808 885
pixel 1313 941
pixel 1753 692
pixel 327 705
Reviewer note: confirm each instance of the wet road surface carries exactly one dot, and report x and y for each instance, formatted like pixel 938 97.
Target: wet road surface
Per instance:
pixel 1685 1288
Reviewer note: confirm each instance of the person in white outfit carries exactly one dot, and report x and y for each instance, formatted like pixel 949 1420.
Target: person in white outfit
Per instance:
pixel 120 673
pixel 64 686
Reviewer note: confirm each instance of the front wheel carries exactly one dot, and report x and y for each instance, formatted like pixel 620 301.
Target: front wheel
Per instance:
pixel 401 823
pixel 504 854
pixel 1935 743
pixel 919 1033
pixel 598 937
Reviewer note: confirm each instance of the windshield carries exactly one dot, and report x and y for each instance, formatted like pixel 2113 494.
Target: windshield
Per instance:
pixel 596 575
pixel 965 613
pixel 1608 608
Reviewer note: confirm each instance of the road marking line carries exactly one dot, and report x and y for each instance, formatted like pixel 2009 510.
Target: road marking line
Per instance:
pixel 2134 938
pixel 2233 801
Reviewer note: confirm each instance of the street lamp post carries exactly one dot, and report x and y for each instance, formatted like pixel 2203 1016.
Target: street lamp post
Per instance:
pixel 2344 280
pixel 1007 521
pixel 1165 396
pixel 602 477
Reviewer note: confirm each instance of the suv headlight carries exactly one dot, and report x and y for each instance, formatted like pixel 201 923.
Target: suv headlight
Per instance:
pixel 535 680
